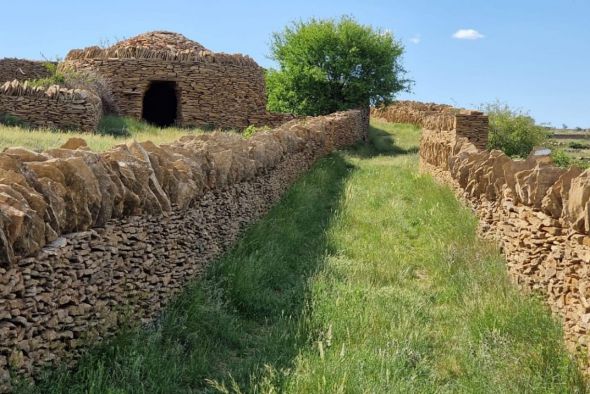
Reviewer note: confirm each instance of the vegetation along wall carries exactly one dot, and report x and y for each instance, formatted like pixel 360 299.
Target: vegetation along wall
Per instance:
pixel 53 107
pixel 90 239
pixel 21 69
pixel 539 213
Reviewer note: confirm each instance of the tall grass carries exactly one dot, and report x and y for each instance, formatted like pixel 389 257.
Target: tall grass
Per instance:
pixel 366 278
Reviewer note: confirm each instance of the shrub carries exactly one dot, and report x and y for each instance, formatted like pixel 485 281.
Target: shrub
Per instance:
pixel 114 125
pixel 578 145
pixel 331 65
pixel 11 120
pixel 512 131
pixel 55 77
pixel 561 159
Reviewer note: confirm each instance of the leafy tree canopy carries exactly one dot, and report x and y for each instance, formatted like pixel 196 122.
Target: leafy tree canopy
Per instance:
pixel 332 65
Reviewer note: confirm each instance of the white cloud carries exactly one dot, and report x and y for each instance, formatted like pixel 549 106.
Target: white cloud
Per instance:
pixel 416 39
pixel 467 34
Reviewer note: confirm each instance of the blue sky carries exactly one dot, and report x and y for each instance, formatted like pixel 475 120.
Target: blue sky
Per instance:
pixel 534 55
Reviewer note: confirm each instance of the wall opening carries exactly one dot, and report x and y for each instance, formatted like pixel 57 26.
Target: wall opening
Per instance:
pixel 160 103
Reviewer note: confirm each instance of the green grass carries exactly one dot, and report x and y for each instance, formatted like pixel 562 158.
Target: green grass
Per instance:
pixel 366 278
pixel 577 150
pixel 111 131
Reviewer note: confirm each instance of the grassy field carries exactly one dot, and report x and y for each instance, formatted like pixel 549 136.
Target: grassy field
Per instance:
pixel 575 144
pixel 112 131
pixel 366 278
pixel 578 149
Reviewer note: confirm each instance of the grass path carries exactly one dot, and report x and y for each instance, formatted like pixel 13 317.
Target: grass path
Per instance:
pixel 366 278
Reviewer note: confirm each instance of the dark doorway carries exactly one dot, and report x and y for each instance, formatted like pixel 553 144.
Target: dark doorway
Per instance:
pixel 160 104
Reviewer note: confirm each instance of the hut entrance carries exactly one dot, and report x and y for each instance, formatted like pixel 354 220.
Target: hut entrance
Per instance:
pixel 160 103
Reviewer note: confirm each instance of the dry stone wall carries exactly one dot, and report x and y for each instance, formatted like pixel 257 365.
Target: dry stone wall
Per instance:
pixel 538 213
pixel 88 238
pixel 54 107
pixel 438 117
pixel 21 69
pixel 270 119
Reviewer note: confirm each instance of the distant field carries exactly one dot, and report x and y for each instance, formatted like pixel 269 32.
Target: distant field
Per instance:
pixel 569 131
pixel 575 144
pixel 112 131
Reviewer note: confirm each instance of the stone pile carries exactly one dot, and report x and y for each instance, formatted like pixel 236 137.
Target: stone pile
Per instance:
pixel 538 213
pixel 89 240
pixel 22 70
pixel 52 107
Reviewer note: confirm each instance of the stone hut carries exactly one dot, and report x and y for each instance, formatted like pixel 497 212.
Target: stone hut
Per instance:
pixel 167 79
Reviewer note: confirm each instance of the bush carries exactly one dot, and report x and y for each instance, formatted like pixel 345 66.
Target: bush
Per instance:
pixel 332 65
pixel 561 159
pixel 55 77
pixel 11 120
pixel 114 125
pixel 578 145
pixel 512 131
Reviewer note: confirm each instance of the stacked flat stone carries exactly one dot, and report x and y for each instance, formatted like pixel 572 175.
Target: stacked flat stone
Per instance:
pixel 270 119
pixel 22 70
pixel 443 118
pixel 473 125
pixel 52 107
pixel 85 236
pixel 215 89
pixel 161 40
pixel 427 115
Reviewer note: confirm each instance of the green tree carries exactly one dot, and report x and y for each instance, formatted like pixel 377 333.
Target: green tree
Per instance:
pixel 332 65
pixel 512 131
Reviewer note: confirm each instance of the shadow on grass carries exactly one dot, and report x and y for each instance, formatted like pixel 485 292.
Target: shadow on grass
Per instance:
pixel 381 143
pixel 239 325
pixel 242 324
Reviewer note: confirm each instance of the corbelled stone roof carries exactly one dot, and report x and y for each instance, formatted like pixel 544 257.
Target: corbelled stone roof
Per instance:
pixel 159 45
pixel 161 40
